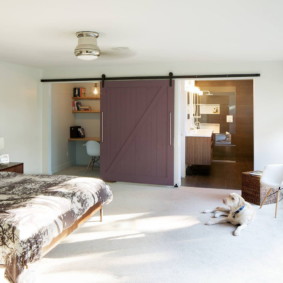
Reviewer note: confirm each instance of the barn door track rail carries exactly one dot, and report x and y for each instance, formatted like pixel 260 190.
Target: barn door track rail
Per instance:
pixel 170 77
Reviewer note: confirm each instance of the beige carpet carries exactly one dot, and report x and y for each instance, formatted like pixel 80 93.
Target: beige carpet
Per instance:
pixel 83 171
pixel 157 234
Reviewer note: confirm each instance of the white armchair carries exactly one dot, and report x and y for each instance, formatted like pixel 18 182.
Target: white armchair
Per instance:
pixel 272 177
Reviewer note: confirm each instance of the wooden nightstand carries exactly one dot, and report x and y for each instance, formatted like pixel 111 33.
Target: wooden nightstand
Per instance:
pixel 12 167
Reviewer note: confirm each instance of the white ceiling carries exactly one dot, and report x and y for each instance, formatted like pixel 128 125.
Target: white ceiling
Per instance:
pixel 42 33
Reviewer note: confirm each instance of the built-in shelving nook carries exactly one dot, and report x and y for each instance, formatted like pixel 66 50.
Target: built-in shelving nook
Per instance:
pixel 73 104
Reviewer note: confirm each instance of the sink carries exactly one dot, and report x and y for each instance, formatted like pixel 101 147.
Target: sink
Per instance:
pixel 200 133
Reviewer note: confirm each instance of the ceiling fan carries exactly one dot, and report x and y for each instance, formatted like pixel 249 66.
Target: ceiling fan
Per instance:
pixel 87 48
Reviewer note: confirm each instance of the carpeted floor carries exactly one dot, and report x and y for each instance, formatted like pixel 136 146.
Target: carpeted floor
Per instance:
pixel 157 234
pixel 80 171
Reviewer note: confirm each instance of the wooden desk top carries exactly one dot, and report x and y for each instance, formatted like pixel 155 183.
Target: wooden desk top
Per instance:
pixel 85 139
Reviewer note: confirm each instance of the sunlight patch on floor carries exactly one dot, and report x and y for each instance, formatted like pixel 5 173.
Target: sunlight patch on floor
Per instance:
pixel 136 228
pixel 118 217
pixel 75 277
pixel 165 223
pixel 98 235
pixel 82 264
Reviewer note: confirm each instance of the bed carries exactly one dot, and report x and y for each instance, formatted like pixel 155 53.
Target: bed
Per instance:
pixel 37 211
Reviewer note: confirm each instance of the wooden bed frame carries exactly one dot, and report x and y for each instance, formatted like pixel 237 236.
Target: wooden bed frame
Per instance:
pixel 90 212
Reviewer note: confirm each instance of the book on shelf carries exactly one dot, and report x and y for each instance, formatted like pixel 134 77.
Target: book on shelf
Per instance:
pixel 82 92
pixel 77 105
pixel 79 92
pixel 74 92
pixel 85 108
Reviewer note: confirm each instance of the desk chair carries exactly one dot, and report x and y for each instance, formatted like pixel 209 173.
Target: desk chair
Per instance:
pixel 93 150
pixel 272 176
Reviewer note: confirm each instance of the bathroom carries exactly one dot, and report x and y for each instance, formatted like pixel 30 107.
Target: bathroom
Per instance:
pixel 218 132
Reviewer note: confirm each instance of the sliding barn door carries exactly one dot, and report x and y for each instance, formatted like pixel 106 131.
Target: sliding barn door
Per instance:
pixel 137 132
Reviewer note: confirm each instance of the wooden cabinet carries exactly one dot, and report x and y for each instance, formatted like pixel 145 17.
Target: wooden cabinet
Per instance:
pixel 199 150
pixel 12 167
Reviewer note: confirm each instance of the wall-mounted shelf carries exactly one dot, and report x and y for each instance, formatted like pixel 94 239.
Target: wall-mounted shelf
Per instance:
pixel 86 98
pixel 85 139
pixel 92 111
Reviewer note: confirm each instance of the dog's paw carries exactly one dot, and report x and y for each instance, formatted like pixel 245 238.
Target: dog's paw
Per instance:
pixel 209 222
pixel 236 233
pixel 207 211
pixel 219 208
pixel 217 214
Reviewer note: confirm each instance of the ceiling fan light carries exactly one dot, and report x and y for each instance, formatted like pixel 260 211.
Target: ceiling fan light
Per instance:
pixel 87 48
pixel 87 57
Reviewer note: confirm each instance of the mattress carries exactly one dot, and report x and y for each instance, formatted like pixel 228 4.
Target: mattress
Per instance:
pixel 34 209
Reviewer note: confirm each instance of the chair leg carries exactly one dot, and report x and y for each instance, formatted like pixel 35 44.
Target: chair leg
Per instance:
pixel 98 161
pixel 277 200
pixel 89 164
pixel 93 162
pixel 266 196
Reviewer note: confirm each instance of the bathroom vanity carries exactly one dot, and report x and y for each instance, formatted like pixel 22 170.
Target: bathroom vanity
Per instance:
pixel 199 143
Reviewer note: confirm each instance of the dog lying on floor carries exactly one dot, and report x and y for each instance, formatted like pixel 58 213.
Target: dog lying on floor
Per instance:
pixel 239 212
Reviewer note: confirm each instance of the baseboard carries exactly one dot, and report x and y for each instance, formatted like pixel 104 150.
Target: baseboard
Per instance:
pixel 60 167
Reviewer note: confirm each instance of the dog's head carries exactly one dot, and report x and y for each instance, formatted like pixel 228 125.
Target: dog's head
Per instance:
pixel 234 201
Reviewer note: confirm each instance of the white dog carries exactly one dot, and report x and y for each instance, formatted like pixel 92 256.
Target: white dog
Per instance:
pixel 240 213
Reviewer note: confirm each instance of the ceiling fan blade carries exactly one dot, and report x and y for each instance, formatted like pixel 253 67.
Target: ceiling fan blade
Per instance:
pixel 118 53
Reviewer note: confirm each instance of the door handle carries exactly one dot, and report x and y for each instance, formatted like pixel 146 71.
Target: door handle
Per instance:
pixel 102 134
pixel 170 128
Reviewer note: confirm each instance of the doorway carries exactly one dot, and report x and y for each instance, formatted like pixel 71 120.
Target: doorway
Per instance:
pixel 226 108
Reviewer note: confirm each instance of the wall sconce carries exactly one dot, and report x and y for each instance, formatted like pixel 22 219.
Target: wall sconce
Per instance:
pixel 229 118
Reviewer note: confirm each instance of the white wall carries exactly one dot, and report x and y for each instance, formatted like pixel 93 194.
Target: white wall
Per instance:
pixel 20 115
pixel 268 98
pixel 61 120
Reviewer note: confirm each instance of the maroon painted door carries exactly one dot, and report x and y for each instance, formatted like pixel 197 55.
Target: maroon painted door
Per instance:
pixel 137 132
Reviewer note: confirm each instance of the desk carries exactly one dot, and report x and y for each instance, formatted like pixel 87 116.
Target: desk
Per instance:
pixel 251 190
pixel 85 139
